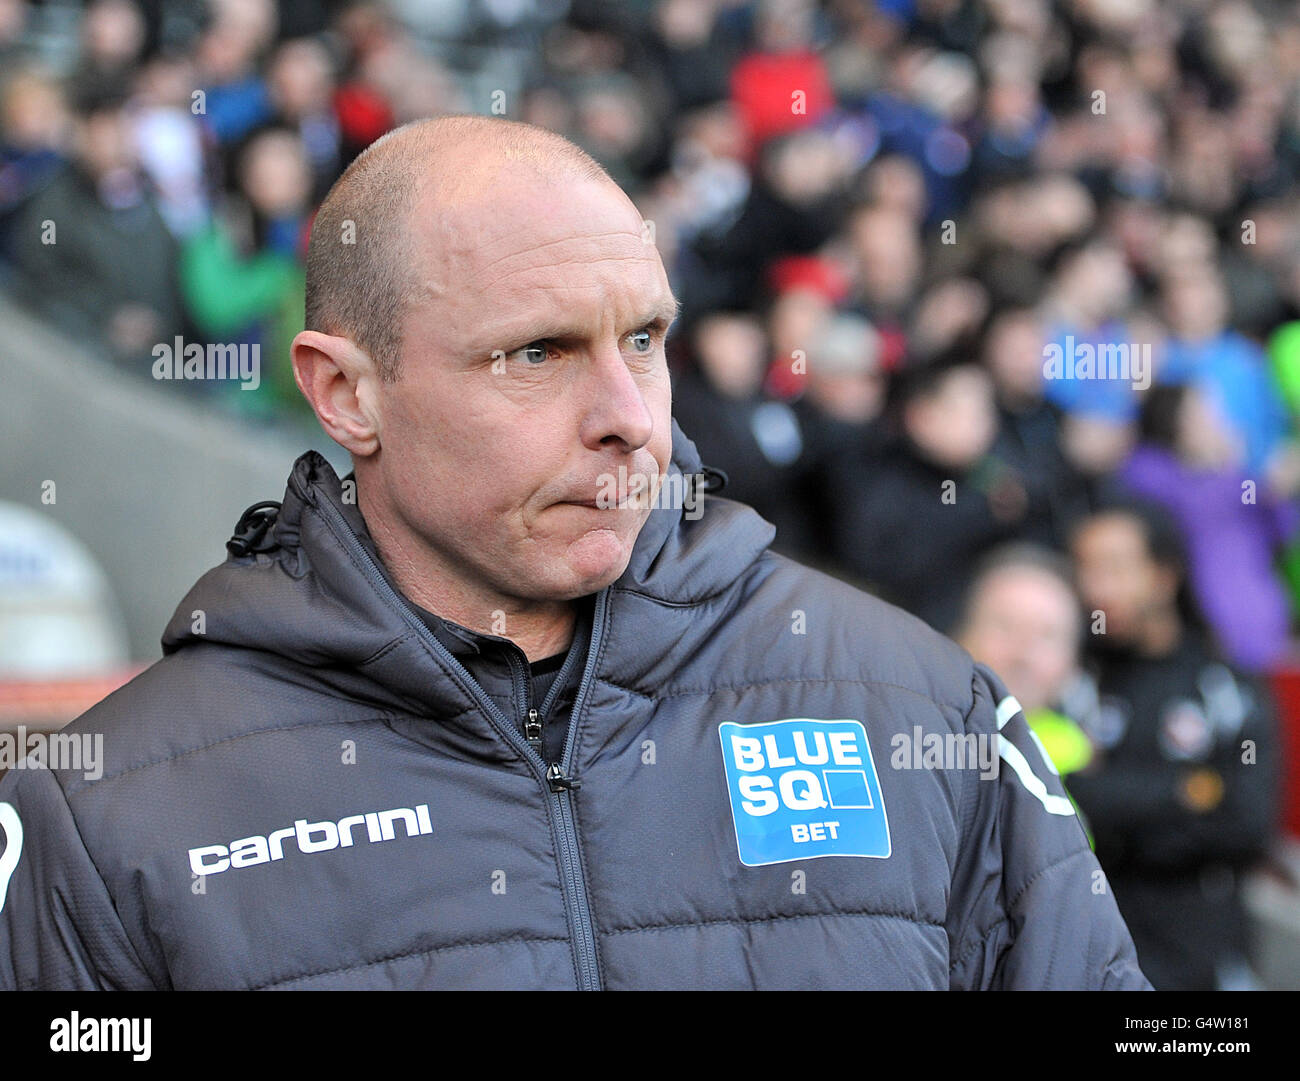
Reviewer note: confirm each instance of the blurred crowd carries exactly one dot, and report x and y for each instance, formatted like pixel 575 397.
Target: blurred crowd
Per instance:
pixel 899 229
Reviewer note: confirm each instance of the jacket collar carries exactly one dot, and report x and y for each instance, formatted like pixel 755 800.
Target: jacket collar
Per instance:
pixel 321 598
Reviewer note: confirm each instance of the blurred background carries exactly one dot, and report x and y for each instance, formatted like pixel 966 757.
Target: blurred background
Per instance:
pixel 900 230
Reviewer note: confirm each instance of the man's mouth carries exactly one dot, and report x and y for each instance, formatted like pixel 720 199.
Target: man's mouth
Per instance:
pixel 594 504
pixel 619 490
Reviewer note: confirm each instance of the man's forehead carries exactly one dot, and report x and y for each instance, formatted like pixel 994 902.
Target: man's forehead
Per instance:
pixel 512 214
pixel 519 256
pixel 538 249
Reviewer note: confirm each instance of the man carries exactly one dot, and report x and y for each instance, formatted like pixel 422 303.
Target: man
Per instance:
pixel 1031 438
pixel 1182 799
pixel 754 439
pixel 353 768
pixel 1021 617
pixel 915 521
pixel 91 251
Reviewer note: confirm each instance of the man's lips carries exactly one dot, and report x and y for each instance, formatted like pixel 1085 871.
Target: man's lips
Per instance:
pixel 614 490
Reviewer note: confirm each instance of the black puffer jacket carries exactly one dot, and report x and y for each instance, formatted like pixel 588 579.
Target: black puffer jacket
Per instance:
pixel 310 793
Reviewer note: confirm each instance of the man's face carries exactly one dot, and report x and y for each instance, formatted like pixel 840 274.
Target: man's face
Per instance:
pixel 105 142
pixel 1117 575
pixel 1024 624
pixel 955 424
pixel 532 372
pixel 1015 356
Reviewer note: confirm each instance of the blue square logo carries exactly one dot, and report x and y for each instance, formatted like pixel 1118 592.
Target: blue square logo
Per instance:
pixel 803 788
pixel 848 789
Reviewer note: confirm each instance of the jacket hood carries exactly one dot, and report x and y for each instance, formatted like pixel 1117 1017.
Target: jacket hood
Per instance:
pixel 312 597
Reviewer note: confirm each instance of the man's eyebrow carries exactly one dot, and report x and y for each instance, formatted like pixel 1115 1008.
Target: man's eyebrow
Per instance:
pixel 661 316
pixel 665 314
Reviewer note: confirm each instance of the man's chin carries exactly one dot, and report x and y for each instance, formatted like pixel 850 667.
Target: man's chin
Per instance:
pixel 578 562
pixel 597 559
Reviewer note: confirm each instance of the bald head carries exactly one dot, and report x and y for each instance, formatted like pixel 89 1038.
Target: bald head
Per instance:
pixel 360 260
pixel 522 294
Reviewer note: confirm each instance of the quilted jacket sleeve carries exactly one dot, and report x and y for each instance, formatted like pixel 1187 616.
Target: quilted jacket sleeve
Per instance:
pixel 1030 906
pixel 59 929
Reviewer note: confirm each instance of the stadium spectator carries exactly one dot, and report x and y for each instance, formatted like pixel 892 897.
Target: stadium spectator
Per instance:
pixel 844 424
pixel 916 526
pixel 112 44
pixel 755 440
pixel 1022 616
pixel 242 275
pixel 77 237
pixel 1030 426
pixel 1191 462
pixel 1227 366
pixel 33 143
pixel 1182 797
pixel 301 83
pixel 236 97
pixel 170 142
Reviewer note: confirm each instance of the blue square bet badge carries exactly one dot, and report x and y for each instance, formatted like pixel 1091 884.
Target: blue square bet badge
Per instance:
pixel 803 788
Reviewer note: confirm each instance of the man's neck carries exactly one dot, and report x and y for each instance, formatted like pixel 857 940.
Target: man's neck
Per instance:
pixel 539 633
pixel 539 628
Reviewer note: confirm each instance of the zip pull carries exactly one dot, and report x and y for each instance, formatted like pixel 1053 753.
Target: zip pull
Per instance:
pixel 533 729
pixel 558 781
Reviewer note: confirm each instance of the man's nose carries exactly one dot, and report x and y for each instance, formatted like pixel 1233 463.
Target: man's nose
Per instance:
pixel 617 409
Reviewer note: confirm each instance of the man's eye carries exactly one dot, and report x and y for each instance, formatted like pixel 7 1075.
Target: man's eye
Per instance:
pixel 643 341
pixel 532 354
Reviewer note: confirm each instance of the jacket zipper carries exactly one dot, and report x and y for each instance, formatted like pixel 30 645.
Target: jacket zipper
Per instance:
pixel 554 778
pixel 562 787
pixel 534 718
pixel 533 730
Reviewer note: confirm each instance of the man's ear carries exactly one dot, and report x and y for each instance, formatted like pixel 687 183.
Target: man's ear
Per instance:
pixel 339 380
